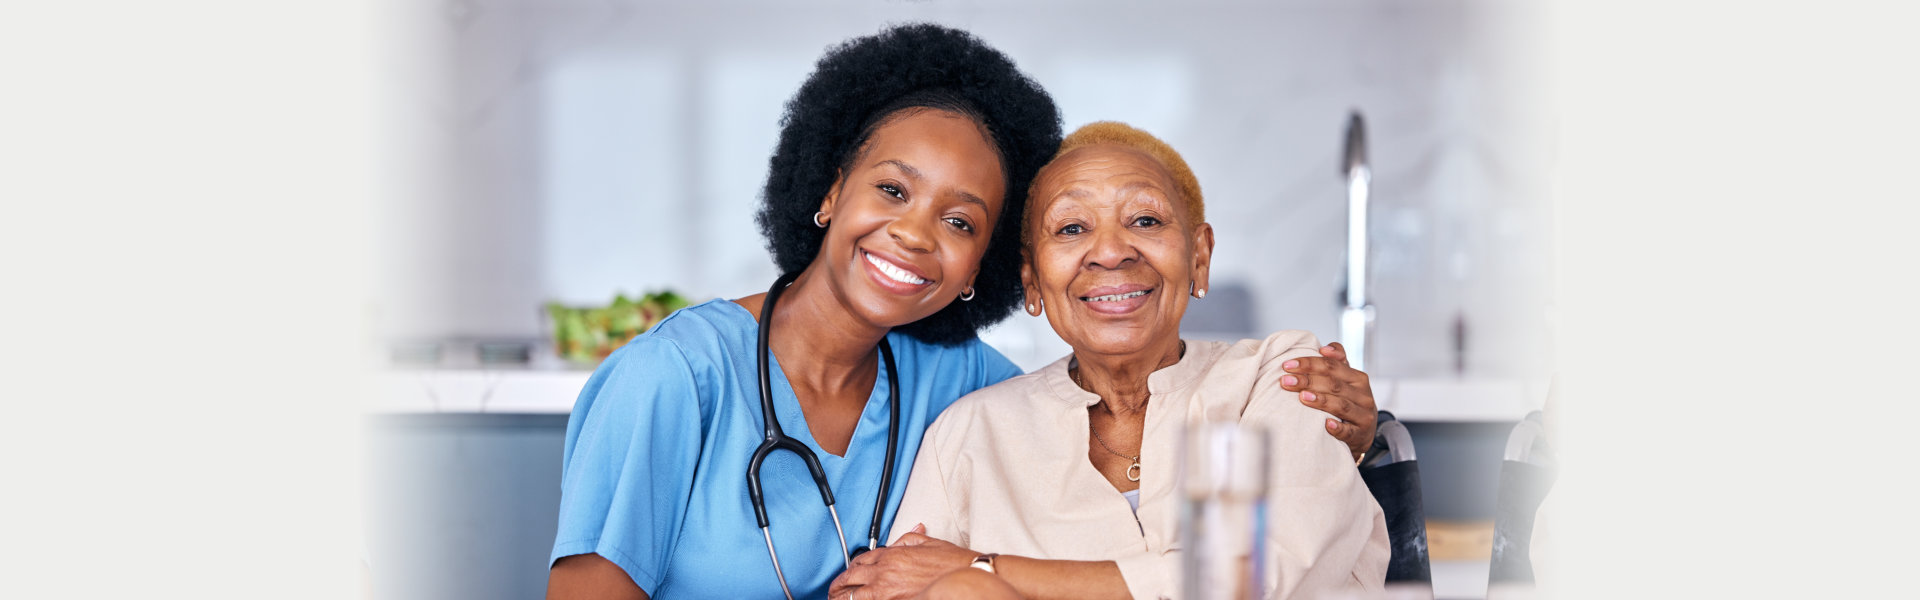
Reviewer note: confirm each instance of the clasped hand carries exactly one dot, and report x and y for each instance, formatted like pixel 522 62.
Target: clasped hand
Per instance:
pixel 900 570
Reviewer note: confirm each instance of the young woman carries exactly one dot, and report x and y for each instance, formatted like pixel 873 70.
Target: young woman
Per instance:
pixel 899 169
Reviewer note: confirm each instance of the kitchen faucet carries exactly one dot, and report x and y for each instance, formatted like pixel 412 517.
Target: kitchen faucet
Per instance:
pixel 1356 318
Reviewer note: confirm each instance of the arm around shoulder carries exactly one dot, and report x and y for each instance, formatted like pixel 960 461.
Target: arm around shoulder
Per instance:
pixel 1331 540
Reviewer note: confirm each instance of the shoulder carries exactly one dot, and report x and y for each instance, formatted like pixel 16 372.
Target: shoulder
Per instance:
pixel 1263 362
pixel 952 370
pixel 1269 352
pixel 1213 359
pixel 1014 398
pixel 972 351
pixel 1287 341
pixel 701 328
pixel 636 380
pixel 702 337
pixel 672 361
pixel 1244 376
pixel 1021 389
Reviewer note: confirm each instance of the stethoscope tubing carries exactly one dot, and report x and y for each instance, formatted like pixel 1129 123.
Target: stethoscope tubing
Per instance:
pixel 777 439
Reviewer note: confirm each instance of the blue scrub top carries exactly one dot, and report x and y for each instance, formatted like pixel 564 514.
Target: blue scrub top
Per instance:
pixel 655 472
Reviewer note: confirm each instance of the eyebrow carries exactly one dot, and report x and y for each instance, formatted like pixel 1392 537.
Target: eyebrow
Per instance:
pixel 1077 192
pixel 1136 186
pixel 915 174
pixel 911 172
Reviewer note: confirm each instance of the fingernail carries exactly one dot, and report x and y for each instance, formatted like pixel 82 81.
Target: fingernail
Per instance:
pixel 1308 396
pixel 1292 364
pixel 1289 380
pixel 1333 425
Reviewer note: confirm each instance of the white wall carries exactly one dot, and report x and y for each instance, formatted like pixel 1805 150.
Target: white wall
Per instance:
pixel 583 148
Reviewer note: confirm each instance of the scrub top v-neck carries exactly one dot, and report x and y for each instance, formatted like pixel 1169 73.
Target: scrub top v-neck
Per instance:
pixel 654 478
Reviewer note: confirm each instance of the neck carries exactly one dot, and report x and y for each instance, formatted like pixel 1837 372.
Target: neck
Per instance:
pixel 821 345
pixel 1121 380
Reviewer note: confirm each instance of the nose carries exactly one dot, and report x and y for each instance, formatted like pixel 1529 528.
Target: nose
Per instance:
pixel 911 231
pixel 1111 249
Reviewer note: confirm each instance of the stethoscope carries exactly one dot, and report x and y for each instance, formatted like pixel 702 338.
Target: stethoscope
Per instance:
pixel 778 440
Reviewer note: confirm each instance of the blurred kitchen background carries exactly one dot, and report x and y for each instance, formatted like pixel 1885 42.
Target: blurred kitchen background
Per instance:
pixel 572 150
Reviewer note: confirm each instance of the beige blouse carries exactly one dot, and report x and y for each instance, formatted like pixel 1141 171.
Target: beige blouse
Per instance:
pixel 1005 470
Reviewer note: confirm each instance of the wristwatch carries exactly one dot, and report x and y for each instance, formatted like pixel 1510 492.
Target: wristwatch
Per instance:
pixel 984 562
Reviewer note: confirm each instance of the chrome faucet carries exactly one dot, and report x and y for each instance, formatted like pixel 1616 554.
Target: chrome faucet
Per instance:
pixel 1356 318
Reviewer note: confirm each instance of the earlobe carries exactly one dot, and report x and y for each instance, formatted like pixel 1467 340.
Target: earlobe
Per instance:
pixel 1202 258
pixel 833 195
pixel 1035 304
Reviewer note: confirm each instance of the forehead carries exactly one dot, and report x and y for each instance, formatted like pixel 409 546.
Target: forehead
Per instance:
pixel 936 143
pixel 927 130
pixel 1101 171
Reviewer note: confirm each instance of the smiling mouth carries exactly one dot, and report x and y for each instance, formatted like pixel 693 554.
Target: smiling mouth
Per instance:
pixel 1115 297
pixel 892 272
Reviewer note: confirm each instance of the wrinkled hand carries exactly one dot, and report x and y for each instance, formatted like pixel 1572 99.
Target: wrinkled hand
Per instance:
pixel 1328 383
pixel 900 570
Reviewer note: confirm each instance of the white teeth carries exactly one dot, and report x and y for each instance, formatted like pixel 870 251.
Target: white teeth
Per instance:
pixel 1116 297
pixel 893 272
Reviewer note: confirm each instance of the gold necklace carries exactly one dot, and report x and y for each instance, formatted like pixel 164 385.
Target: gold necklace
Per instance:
pixel 1133 470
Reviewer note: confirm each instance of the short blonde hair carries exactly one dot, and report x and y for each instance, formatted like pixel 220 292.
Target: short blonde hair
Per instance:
pixel 1122 134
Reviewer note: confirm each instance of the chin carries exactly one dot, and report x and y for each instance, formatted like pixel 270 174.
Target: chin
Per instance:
pixel 890 311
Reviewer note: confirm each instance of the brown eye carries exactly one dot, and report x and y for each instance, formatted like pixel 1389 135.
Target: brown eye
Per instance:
pixel 892 190
pixel 1071 229
pixel 961 224
pixel 1146 222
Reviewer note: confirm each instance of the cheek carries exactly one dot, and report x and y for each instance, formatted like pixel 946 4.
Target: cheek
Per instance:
pixel 965 256
pixel 1172 258
pixel 1053 275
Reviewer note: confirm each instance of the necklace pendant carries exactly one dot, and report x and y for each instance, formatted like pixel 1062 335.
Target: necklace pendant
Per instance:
pixel 1133 471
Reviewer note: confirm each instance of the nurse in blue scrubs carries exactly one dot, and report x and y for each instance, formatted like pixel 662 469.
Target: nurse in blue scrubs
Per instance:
pixel 903 162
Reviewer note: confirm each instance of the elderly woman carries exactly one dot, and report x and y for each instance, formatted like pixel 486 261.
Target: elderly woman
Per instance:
pixel 1061 481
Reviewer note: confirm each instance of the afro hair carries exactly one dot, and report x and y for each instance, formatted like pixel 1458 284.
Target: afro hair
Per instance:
pixel 858 85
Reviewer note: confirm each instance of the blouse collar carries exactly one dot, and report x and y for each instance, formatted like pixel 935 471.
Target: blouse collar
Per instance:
pixel 1172 377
